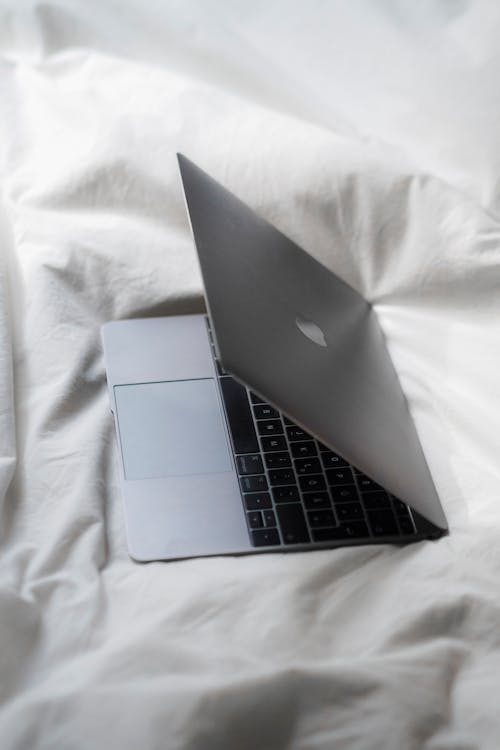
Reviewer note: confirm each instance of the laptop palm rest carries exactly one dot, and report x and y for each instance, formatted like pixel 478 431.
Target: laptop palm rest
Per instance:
pixel 171 428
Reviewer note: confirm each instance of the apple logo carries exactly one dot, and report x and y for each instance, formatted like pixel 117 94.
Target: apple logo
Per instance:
pixel 312 331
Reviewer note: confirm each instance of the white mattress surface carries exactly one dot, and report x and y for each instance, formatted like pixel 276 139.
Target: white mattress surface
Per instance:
pixel 367 132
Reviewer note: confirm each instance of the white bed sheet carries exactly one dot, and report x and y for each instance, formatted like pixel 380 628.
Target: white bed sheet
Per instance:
pixel 369 133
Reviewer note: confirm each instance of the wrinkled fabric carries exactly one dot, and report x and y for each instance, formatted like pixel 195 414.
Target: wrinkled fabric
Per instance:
pixel 367 132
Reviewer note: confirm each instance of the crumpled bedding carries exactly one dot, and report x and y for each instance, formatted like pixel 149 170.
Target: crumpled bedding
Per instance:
pixel 367 132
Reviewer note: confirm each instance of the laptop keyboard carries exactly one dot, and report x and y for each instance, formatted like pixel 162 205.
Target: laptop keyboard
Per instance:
pixel 295 490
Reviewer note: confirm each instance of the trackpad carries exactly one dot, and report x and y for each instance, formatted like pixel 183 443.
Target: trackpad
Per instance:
pixel 172 428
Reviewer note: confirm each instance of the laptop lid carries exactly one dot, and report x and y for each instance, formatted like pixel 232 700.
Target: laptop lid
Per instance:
pixel 304 340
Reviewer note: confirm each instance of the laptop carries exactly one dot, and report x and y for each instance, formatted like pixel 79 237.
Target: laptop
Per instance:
pixel 274 423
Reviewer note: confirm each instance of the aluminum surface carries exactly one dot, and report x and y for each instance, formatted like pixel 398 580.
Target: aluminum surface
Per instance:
pixel 267 299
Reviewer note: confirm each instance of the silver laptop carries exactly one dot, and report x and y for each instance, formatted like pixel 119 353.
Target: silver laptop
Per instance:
pixel 276 422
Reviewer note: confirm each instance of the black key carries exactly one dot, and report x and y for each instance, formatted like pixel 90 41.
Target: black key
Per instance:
pixel 344 494
pixel 265 538
pixel 277 460
pixel 383 523
pixel 303 450
pixel 349 511
pixel 313 500
pixel 269 518
pixel 255 483
pixel 250 464
pixel 312 482
pixel 281 476
pixel 277 443
pixel 286 494
pixel 400 508
pixel 331 460
pixel 256 399
pixel 336 533
pixel 255 519
pixel 357 529
pixel 376 500
pixel 239 416
pixel 321 518
pixel 258 500
pixel 292 523
pixel 295 433
pixel 307 466
pixel 352 530
pixel 270 427
pixel 366 484
pixel 324 448
pixel 264 411
pixel 406 525
pixel 339 476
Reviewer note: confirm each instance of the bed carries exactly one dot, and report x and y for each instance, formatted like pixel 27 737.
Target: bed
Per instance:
pixel 367 132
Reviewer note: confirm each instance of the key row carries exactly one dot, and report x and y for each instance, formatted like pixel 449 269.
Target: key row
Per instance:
pixel 323 499
pixel 305 461
pixel 307 482
pixel 323 527
pixel 296 533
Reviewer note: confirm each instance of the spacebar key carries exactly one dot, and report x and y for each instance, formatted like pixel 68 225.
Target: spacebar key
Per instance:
pixel 292 523
pixel 239 416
